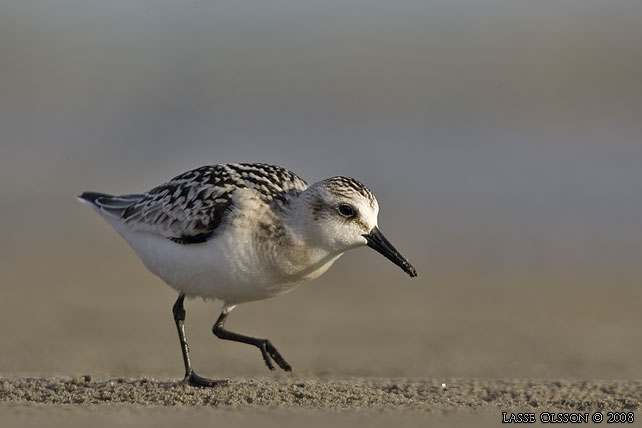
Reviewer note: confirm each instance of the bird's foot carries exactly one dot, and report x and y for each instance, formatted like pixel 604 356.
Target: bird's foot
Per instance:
pixel 195 380
pixel 270 353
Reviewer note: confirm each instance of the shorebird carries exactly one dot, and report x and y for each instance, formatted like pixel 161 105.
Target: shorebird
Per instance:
pixel 243 232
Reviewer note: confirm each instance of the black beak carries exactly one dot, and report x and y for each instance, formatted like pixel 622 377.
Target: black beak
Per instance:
pixel 377 241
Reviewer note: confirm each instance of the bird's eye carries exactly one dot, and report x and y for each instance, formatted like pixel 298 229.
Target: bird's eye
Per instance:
pixel 346 210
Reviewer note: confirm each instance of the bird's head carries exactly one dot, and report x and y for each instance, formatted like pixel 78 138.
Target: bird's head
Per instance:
pixel 340 213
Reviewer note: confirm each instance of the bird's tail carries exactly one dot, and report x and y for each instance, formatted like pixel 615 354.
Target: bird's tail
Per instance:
pixel 109 204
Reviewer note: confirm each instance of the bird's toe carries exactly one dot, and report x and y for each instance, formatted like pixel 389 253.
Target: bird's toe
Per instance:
pixel 195 380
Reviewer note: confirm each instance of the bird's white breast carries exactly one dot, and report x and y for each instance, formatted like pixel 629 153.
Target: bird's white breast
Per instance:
pixel 236 266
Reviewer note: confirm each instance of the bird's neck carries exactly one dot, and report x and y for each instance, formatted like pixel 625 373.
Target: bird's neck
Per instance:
pixel 299 217
pixel 304 248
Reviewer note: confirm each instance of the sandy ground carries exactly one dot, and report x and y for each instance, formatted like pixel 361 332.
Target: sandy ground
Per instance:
pixel 290 402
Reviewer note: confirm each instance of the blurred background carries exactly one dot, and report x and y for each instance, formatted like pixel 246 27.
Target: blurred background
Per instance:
pixel 502 139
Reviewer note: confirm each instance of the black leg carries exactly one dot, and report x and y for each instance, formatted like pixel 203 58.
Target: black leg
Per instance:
pixel 191 378
pixel 265 346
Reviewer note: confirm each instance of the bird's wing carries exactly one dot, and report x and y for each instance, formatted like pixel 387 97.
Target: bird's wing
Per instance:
pixel 186 209
pixel 190 207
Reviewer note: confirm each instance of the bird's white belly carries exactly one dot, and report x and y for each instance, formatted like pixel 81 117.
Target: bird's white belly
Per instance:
pixel 228 268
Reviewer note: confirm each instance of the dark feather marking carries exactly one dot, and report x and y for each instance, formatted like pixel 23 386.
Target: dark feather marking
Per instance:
pixel 194 239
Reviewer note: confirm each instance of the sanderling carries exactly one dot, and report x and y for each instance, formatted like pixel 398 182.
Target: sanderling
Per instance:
pixel 243 232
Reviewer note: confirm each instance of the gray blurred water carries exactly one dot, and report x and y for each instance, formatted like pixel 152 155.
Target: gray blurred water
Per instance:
pixel 502 138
